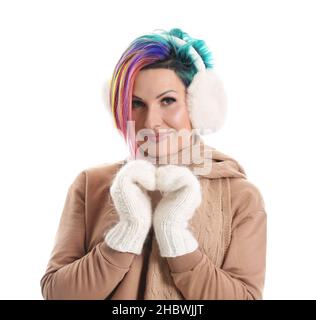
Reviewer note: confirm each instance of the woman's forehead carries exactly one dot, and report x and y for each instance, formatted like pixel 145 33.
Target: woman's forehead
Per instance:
pixel 153 82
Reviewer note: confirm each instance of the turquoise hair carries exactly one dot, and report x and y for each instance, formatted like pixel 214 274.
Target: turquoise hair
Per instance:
pixel 180 59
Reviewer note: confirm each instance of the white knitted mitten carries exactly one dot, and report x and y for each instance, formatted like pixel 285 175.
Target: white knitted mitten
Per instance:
pixel 133 205
pixel 177 206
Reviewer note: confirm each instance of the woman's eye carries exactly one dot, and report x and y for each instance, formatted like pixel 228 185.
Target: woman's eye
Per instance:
pixel 165 101
pixel 136 104
pixel 169 100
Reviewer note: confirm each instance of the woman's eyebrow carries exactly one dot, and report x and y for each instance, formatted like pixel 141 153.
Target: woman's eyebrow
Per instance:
pixel 161 94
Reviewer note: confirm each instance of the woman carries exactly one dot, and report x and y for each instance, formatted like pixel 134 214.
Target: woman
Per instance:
pixel 177 219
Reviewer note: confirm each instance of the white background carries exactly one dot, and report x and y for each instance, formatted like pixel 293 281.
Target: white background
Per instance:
pixel 54 59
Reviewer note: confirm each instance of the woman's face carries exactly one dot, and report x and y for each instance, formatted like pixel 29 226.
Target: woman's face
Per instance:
pixel 159 108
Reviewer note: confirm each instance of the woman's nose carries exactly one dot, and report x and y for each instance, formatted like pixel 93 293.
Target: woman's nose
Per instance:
pixel 153 118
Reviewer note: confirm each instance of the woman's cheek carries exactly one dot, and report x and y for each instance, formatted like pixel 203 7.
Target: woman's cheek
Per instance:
pixel 176 117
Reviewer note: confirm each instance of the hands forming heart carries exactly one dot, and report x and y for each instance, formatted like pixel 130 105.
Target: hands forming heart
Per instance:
pixel 181 196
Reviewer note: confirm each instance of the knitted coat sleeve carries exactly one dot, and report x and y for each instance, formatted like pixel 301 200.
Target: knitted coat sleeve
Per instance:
pixel 241 275
pixel 73 273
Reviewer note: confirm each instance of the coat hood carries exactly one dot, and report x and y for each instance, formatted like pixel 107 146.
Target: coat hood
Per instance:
pixel 225 166
pixel 216 164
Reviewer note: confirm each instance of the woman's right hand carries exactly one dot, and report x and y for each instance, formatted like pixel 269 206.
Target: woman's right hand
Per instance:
pixel 133 205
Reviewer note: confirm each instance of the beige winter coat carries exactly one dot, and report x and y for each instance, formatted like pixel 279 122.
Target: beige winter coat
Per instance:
pixel 230 226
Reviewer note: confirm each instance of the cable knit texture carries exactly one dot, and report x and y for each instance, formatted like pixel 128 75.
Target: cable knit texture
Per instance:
pixel 210 226
pixel 182 195
pixel 127 191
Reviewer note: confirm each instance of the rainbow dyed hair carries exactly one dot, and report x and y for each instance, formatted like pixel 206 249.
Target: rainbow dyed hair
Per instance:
pixel 148 52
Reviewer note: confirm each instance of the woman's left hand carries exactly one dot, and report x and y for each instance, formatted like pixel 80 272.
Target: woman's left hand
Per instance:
pixel 181 196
